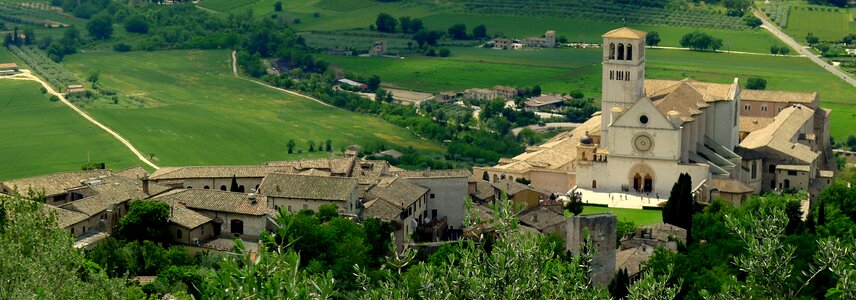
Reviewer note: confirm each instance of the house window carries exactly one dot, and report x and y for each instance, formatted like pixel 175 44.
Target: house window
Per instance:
pixel 432 196
pixel 772 169
pixel 189 187
pixel 207 187
pixel 611 75
pixel 754 170
pixel 72 230
pixel 178 233
pixel 792 173
pixel 222 187
pixel 764 107
pixel 84 229
pixel 289 208
pixel 627 76
pixel 772 184
pixel 747 107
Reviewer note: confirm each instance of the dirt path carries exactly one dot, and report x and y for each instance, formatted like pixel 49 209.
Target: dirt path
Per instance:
pixel 27 75
pixel 802 50
pixel 235 71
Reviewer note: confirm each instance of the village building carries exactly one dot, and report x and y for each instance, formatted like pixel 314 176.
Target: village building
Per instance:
pixel 379 48
pixel 447 192
pixel 547 102
pixel 635 249
pixel 408 199
pixel 232 214
pixel 480 94
pixel 7 69
pixel 521 194
pixel 481 191
pixel 248 177
pixel 294 192
pixel 506 92
pixel 650 131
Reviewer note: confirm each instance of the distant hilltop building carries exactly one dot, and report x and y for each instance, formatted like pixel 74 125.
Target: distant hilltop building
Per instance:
pixel 548 41
pixel 732 142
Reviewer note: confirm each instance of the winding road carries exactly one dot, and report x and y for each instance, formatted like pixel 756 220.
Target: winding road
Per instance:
pixel 27 75
pixel 802 50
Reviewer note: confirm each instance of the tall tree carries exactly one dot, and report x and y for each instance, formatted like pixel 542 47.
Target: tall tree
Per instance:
pixel 100 27
pixel 385 23
pixel 405 24
pixel 458 31
pixel 146 220
pixel 291 144
pixel 680 206
pixel 480 32
pixel 652 38
pixel 234 187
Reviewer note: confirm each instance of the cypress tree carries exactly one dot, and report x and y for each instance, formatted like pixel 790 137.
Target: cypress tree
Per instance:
pixel 234 187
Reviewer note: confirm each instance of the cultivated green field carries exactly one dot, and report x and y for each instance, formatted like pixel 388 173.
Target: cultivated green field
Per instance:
pixel 563 70
pixel 225 5
pixel 41 137
pixel 197 112
pixel 638 216
pixel 359 14
pixel 826 23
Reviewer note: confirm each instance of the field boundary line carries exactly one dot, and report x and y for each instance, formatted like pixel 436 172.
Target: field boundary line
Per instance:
pixel 727 51
pixel 235 71
pixel 27 75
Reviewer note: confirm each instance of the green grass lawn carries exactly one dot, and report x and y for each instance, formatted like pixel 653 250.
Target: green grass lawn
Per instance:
pixel 226 5
pixel 563 70
pixel 41 137
pixel 826 25
pixel 197 112
pixel 638 216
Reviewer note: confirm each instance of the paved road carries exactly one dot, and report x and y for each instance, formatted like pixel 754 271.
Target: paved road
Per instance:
pixel 791 42
pixel 557 125
pixel 27 75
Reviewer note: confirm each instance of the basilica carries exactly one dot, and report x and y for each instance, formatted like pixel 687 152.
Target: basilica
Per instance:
pixel 732 142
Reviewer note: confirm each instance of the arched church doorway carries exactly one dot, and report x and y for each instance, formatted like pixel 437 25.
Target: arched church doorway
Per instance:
pixel 637 182
pixel 594 184
pixel 649 183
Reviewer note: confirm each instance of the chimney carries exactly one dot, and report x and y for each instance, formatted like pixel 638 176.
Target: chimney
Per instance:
pixel 252 197
pixel 146 185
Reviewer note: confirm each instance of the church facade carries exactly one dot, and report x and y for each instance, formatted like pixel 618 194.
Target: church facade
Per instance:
pixel 650 131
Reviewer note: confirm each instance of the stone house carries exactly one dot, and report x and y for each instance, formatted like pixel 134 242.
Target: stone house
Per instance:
pixel 233 214
pixel 447 97
pixel 546 219
pixel 293 192
pixel 215 177
pixel 546 102
pixel 189 227
pixel 503 43
pixel 447 191
pixel 57 188
pixel 409 199
pixel 379 48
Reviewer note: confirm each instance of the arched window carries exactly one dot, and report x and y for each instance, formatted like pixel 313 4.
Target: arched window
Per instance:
pixel 620 51
pixel 626 75
pixel 189 187
pixel 611 51
pixel 502 177
pixel 509 178
pixel 787 184
pixel 495 178
pixel 594 184
pixel 207 187
pixel 584 156
pixel 222 187
pixel 629 52
pixel 241 189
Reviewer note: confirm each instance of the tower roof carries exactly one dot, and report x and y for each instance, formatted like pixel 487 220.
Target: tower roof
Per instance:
pixel 625 33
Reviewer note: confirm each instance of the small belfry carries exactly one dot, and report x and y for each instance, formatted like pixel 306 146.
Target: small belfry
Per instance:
pixel 623 70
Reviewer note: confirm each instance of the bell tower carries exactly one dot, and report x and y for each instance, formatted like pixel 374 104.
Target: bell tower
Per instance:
pixel 623 71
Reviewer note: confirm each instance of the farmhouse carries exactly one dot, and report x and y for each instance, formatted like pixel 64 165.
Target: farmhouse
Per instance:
pixel 648 131
pixel 480 94
pixel 447 97
pixel 548 41
pixel 503 43
pixel 75 88
pixel 506 92
pixel 8 69
pixel 353 84
pixel 546 102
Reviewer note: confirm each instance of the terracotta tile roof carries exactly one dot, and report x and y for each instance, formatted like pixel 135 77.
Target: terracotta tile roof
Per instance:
pixel 187 218
pixel 8 66
pixel 170 173
pixel 54 184
pixel 382 209
pixel 112 190
pixel 64 217
pixel 712 92
pixel 555 154
pixel 133 172
pixel 308 187
pixel 684 99
pixel 483 191
pixel 505 88
pixel 807 99
pixel 216 200
pixel 546 100
pixel 778 135
pixel 631 259
pixel 397 191
pixel 749 124
pixel 451 173
pixel 540 218
pixel 801 168
pixel 511 188
pixel 625 33
pixel 731 186
pixel 333 165
pixel 826 173
pixel 315 172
